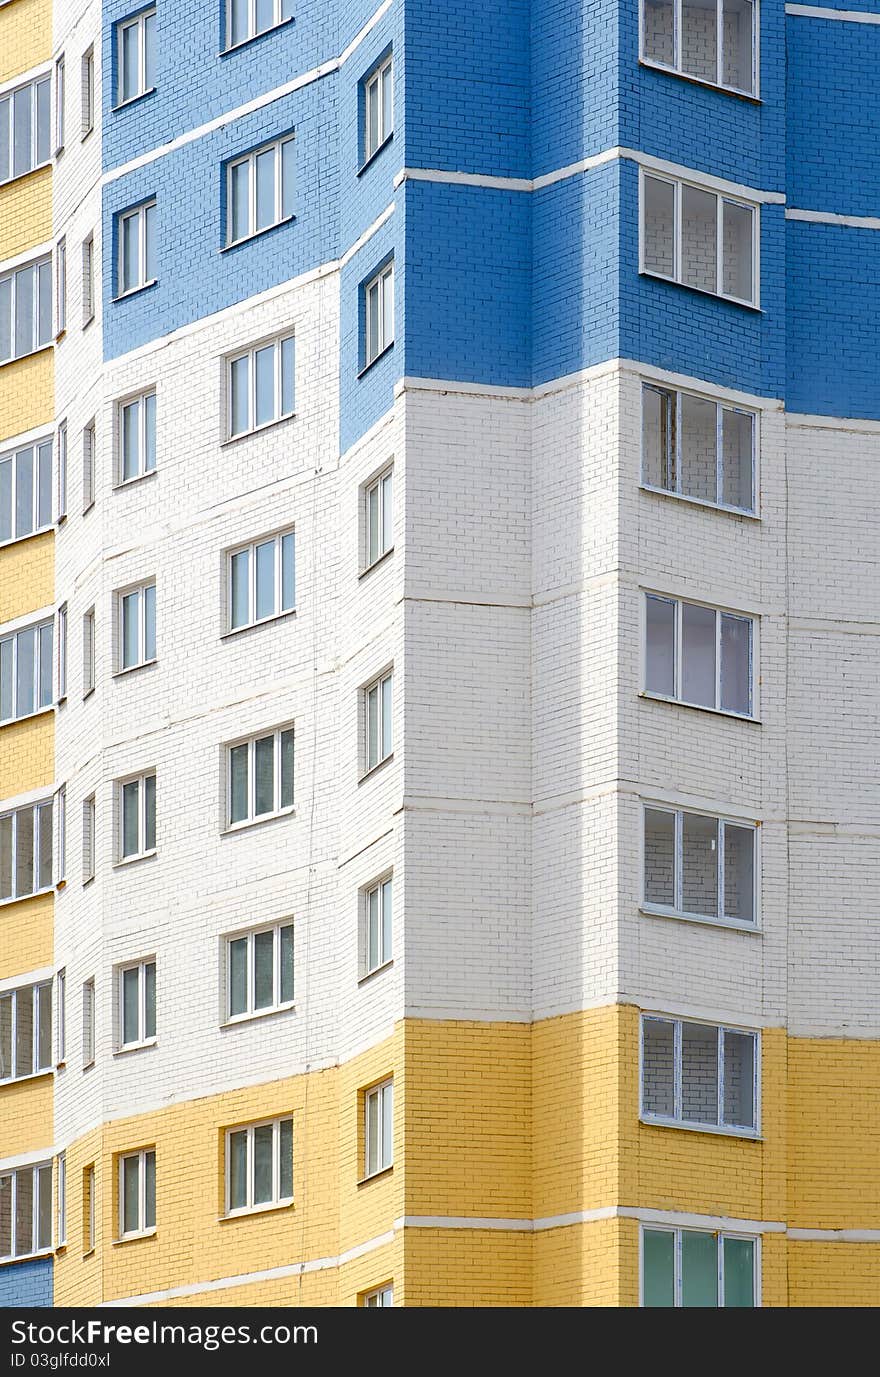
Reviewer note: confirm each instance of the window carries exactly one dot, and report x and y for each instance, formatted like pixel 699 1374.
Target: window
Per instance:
pixel 260 386
pixel 135 56
pixel 136 248
pixel 378 1128
pixel 136 437
pixel 138 817
pixel 25 491
pixel 88 1022
pixel 378 514
pixel 259 971
pixel 137 1193
pixel 88 279
pixel 376 925
pixel 61 286
pixel 88 839
pixel 26 1211
pixel 87 92
pixel 245 19
pixel 378 314
pixel 26 1031
pixel 698 1269
pixel 61 1016
pixel 700 866
pixel 61 443
pixel 25 128
pixel 698 448
pixel 62 652
pixel 699 238
pixel 260 777
pixel 59 103
pixel 137 1004
pixel 137 626
pixel 26 851
pixel 378 116
pixel 88 642
pixel 259 1166
pixel 698 655
pixel 60 833
pixel 698 1075
pixel 383 1295
pixel 62 1198
pixel 25 671
pixel 88 1201
pixel 88 463
pixel 262 579
pixel 378 742
pixel 711 40
pixel 259 190
pixel 25 310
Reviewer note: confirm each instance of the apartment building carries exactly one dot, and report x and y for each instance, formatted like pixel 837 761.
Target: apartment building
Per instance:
pixel 439 807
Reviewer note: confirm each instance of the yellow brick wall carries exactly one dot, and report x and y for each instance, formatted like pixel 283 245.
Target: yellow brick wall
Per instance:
pixel 27 755
pixel 26 1115
pixel 25 36
pixel 27 938
pixel 27 575
pixel 27 392
pixel 25 211
pixel 467 1267
pixel 839 1275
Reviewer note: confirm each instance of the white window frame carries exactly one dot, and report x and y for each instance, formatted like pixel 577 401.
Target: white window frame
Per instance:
pixel 249 160
pixel 61 470
pixel 373 93
pixel 89 449
pixel 87 92
pixel 382 484
pixel 61 1016
pixel 250 547
pixel 143 850
pixel 278 1200
pixel 384 1150
pixel 676 68
pixel 676 909
pixel 35 162
pixel 379 1297
pixel 676 1120
pixel 720 196
pixel 383 888
pixel 674 446
pixel 88 839
pixel 36 995
pixel 678 663
pixel 253 818
pixel 385 749
pixel 720 1236
pixel 138 213
pixel 61 1199
pixel 41 282
pixel 88 279
pixel 139 591
pixel 35 1170
pixel 88 647
pixel 143 1230
pixel 13 638
pixel 88 1022
pixel 253 32
pixel 143 1039
pixel 36 448
pixel 36 811
pixel 248 935
pixel 59 103
pixel 138 22
pixel 375 348
pixel 60 819
pixel 250 354
pixel 60 286
pixel 138 399
pixel 89 1211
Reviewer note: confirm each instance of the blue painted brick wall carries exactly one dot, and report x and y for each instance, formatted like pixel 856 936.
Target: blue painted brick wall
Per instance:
pixel 26 1284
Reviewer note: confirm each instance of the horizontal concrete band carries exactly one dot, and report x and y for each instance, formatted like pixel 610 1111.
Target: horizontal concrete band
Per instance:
pixel 842 16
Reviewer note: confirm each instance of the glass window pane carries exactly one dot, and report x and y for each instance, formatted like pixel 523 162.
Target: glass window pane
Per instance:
pixel 738 428
pixel 698 655
pixel 263 1164
pixel 699 1073
pixel 130 796
pixel 660 646
pixel 6 319
pixel 6 1062
pixel 658 37
pixel 44 481
pixel 44 1207
pixel 149 214
pixel 130 638
pixel 739 873
pixel 45 658
pixel 44 304
pixel 239 420
pixel 264 775
pixel 739 1273
pixel 699 448
pixel 387 116
pixel 130 1010
pixel 373 929
pixel 739 1079
pixel 658 1268
pixel 131 271
pixel 659 227
pixel 738 278
pixel 286 9
pixel 264 965
pixel 699 1270
pixel 372 326
pixel 130 440
pixel 6 680
pixel 149 596
pixel 736 663
pixel 285 1147
pixel 265 12
pixel 371 99
pixel 387 742
pixel 387 1096
pixel 149 1190
pixel 265 576
pixel 699 249
pixel 149 406
pixel 129 64
pixel 287 376
pixel 150 999
pixel 372 1132
pixel 386 921
pixel 387 307
pixel 658 1067
pixel 288 179
pixel 700 865
pixel 239 615
pixel 4 139
pixel 22 131
pixel 265 188
pixel 239 208
pixel 659 857
pixel 286 800
pixel 658 457
pixel 387 512
pixel 24 851
pixel 738 44
pixel 238 783
pixel 150 51
pixel 372 726
pixel 699 39
pixel 25 321
pixel 44 878
pixel 43 120
pixel 237 1170
pixel 238 21
pixel 131 1177
pixel 24 1211
pixel 264 361
pixel 44 1026
pixel 286 963
pixel 238 1001
pixel 24 492
pixel 6 887
pixel 150 812
pixel 373 525
pixel 288 573
pixel 24 1033
pixel 6 526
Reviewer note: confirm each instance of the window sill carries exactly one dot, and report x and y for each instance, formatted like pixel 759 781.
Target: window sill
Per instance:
pixel 257 430
pixel 255 626
pixel 375 1176
pixel 700 81
pixel 377 970
pixel 26 1257
pixel 89 693
pixel 89 1065
pixel 716 1130
pixel 133 860
pixel 701 291
pixel 237 1019
pixel 135 1047
pixel 22 898
pixel 235 827
pixel 133 1238
pixel 257 234
pixel 132 669
pixel 89 1253
pixel 32 1076
pixel 368 569
pixel 132 100
pixel 19 540
pixel 735 924
pixel 700 502
pixel 29 355
pixel 372 364
pixel 87 321
pixel 28 716
pixel 130 482
pixel 255 1210
pixel 20 177
pixel 368 162
pixel 368 774
pixel 136 291
pixel 89 508
pixel 699 707
pixel 87 133
pixel 245 42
